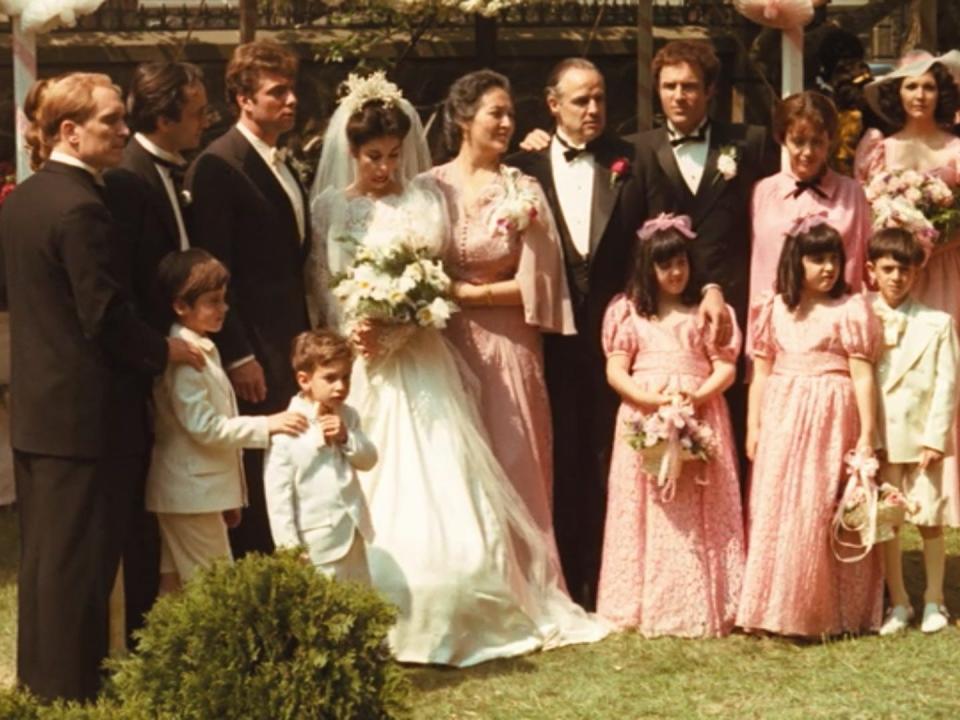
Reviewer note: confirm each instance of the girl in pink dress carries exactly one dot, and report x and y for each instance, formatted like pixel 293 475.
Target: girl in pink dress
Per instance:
pixel 811 400
pixel 921 97
pixel 509 281
pixel 670 566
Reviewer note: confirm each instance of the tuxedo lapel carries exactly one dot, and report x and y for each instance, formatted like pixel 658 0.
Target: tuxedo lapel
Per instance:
pixel 712 184
pixel 916 337
pixel 141 163
pixel 668 163
pixel 541 168
pixel 605 193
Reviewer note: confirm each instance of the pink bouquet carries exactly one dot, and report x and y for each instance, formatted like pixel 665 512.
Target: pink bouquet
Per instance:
pixel 919 202
pixel 667 438
pixel 872 512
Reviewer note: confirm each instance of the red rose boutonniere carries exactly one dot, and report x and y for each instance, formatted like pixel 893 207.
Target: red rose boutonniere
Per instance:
pixel 618 168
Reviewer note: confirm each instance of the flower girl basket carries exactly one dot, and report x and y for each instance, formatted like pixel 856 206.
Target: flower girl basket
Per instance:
pixel 668 438
pixel 869 511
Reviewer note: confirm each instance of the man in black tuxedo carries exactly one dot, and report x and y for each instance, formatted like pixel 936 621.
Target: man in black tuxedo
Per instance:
pixel 250 211
pixel 79 358
pixel 583 171
pixel 706 169
pixel 166 106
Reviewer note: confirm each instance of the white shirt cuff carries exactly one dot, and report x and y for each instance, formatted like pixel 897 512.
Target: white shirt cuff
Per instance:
pixel 242 361
pixel 710 286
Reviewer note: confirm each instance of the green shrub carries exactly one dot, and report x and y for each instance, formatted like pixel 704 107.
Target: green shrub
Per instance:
pixel 18 705
pixel 268 638
pixel 22 705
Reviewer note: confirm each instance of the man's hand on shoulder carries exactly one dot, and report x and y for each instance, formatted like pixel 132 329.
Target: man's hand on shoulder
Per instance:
pixel 536 140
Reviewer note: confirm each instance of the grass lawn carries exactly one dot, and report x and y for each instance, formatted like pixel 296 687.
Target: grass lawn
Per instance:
pixel 626 677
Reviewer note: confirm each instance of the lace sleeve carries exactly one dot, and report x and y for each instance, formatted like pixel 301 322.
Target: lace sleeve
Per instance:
pixel 320 303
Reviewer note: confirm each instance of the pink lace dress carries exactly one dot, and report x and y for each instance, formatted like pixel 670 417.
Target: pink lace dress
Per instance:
pixel 501 344
pixel 671 567
pixel 937 287
pixel 793 584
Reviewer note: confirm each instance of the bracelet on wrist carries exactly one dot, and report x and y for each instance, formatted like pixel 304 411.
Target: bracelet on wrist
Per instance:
pixel 488 295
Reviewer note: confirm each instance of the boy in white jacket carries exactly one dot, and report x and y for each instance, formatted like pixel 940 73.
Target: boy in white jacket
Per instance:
pixel 314 499
pixel 195 484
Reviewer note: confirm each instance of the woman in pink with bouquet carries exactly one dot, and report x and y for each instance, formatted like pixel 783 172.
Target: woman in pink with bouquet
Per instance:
pixel 812 399
pixel 921 98
pixel 673 543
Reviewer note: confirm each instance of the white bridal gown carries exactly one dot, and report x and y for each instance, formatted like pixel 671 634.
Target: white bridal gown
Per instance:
pixel 454 548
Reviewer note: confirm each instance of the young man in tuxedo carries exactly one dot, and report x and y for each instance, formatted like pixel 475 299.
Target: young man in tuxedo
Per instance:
pixel 80 356
pixel 166 109
pixel 250 211
pixel 583 171
pixel 706 169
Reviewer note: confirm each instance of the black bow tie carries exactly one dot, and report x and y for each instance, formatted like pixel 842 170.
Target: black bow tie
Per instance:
pixel 177 172
pixel 811 184
pixel 698 137
pixel 571 153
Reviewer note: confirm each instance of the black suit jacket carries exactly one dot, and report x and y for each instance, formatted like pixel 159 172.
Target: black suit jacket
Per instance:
pixel 720 209
pixel 79 352
pixel 141 206
pixel 595 279
pixel 241 214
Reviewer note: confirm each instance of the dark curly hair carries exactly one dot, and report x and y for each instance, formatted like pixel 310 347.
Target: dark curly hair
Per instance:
pixel 820 239
pixel 947 98
pixel 463 100
pixel 376 120
pixel 158 90
pixel 643 289
pixel 699 54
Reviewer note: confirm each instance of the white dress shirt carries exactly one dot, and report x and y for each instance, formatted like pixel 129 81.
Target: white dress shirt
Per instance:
pixel 153 149
pixel 283 174
pixel 691 156
pixel 573 180
pixel 62 157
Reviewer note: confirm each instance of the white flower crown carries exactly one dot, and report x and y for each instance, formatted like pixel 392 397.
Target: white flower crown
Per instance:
pixel 357 90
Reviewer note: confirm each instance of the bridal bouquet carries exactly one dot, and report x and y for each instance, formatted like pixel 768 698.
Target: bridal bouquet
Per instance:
pixel 667 438
pixel 919 202
pixel 397 283
pixel 872 512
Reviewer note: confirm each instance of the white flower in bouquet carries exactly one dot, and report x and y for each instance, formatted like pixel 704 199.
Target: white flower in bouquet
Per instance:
pixel 435 314
pixel 919 202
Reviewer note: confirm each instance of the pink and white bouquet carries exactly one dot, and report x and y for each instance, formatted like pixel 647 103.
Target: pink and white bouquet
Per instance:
pixel 871 511
pixel 516 209
pixel 919 202
pixel 667 438
pixel 395 283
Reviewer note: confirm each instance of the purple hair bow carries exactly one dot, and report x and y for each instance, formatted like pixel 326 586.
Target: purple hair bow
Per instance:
pixel 666 221
pixel 806 223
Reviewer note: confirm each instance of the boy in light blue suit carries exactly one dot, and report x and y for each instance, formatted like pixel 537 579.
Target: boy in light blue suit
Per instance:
pixel 916 382
pixel 313 496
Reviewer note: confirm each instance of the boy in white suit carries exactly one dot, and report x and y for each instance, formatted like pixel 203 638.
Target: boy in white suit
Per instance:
pixel 195 483
pixel 916 382
pixel 314 499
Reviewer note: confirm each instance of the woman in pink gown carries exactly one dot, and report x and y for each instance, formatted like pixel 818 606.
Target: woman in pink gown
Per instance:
pixel 671 566
pixel 921 96
pixel 806 125
pixel 506 263
pixel 810 403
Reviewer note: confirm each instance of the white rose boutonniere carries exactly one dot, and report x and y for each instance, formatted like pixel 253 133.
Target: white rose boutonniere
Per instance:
pixel 727 162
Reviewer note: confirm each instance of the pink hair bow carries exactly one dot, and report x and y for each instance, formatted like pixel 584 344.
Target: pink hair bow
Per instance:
pixel 806 223
pixel 666 221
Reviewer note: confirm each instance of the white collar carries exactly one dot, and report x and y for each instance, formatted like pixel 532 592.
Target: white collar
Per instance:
pixel 267 152
pixel 201 341
pixel 62 157
pixel 673 131
pixel 566 142
pixel 154 149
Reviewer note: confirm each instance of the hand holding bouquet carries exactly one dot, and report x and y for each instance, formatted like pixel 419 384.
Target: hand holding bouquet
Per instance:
pixel 919 202
pixel 667 438
pixel 396 284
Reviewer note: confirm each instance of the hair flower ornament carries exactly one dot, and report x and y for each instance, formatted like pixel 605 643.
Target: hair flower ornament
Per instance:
pixel 805 223
pixel 356 91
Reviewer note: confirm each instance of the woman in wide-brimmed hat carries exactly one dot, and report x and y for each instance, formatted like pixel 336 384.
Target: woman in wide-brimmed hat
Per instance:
pixel 921 98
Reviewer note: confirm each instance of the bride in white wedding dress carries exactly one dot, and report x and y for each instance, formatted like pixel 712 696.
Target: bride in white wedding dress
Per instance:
pixel 455 549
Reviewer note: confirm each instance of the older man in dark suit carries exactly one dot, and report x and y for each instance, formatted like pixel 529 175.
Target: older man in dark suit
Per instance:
pixel 583 170
pixel 166 105
pixel 250 211
pixel 79 357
